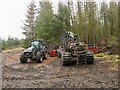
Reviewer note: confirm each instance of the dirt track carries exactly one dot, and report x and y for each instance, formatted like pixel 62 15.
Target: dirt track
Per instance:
pixel 51 73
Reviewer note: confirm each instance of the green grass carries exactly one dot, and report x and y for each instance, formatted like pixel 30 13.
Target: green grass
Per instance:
pixel 110 58
pixel 99 55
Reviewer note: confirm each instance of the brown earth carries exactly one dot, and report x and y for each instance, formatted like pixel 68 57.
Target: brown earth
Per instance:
pixel 51 74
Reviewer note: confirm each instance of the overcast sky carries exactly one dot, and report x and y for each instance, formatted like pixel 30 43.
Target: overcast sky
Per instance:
pixel 12 13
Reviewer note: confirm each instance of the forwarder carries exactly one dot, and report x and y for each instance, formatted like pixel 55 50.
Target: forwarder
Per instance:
pixel 73 51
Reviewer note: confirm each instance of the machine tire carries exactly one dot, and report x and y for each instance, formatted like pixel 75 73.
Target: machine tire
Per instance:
pixel 39 57
pixel 90 62
pixel 63 63
pixel 67 63
pixel 45 55
pixel 59 55
pixel 23 59
pixel 67 57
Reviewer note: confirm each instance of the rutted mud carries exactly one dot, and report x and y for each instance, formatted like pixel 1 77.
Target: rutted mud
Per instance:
pixel 51 74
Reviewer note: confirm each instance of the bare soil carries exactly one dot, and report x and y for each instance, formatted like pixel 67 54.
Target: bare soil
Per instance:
pixel 51 74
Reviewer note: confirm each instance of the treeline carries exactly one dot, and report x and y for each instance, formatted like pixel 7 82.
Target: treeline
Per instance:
pixel 93 22
pixel 10 43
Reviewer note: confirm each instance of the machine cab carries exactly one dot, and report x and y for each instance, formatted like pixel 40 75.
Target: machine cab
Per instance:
pixel 39 44
pixel 35 44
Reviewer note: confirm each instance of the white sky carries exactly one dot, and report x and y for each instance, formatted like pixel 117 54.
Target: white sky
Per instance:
pixel 12 13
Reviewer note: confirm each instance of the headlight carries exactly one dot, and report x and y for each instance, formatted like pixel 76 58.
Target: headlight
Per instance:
pixel 27 54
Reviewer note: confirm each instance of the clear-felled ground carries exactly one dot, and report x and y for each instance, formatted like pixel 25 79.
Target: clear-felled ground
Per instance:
pixel 103 74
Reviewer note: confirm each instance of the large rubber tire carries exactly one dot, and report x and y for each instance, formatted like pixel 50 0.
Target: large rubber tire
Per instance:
pixel 66 57
pixel 39 57
pixel 59 55
pixel 90 62
pixel 63 63
pixel 23 59
pixel 66 63
pixel 45 55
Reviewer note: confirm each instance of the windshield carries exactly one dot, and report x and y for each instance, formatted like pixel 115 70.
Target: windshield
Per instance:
pixel 35 43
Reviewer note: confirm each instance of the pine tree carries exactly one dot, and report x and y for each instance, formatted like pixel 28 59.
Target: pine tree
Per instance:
pixel 113 18
pixel 104 20
pixel 64 16
pixel 29 22
pixel 44 21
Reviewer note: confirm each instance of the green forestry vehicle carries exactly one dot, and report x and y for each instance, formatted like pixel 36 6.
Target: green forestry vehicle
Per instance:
pixel 37 51
pixel 74 51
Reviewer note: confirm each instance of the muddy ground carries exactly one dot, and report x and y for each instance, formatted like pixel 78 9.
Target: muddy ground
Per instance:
pixel 51 74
